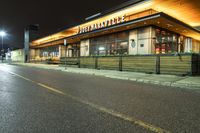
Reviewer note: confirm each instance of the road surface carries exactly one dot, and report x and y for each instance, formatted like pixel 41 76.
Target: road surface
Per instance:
pixel 34 100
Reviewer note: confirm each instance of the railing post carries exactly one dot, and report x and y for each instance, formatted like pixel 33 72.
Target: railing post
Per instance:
pixel 157 64
pixel 120 62
pixel 195 68
pixel 79 62
pixel 96 62
pixel 198 64
pixel 193 65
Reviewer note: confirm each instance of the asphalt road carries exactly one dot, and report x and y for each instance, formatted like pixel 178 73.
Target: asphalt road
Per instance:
pixel 34 100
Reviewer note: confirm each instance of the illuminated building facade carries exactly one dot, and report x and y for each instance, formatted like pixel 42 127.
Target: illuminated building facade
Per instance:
pixel 137 27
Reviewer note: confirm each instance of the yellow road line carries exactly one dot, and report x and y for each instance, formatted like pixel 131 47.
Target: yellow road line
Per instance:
pixel 140 123
pixel 50 88
pixel 21 76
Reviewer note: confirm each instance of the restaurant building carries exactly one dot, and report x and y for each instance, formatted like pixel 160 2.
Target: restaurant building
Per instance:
pixel 137 27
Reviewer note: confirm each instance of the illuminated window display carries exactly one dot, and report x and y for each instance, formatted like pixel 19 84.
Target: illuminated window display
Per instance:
pixel 52 51
pixel 166 41
pixel 113 44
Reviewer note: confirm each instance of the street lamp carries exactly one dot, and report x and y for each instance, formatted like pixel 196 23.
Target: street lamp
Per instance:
pixel 2 34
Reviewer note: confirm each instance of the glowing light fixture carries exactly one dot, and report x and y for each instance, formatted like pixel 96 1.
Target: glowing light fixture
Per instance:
pixel 2 33
pixel 101 48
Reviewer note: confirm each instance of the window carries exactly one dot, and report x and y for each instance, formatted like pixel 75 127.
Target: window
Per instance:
pixel 52 51
pixel 113 44
pixel 166 41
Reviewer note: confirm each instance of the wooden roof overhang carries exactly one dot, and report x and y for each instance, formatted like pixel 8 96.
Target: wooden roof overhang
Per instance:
pixel 159 19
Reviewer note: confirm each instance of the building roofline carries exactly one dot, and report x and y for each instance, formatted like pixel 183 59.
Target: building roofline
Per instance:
pixel 103 13
pixel 160 14
pixel 119 7
pixel 179 22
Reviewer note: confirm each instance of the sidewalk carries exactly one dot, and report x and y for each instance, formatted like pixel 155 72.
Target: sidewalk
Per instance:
pixel 165 80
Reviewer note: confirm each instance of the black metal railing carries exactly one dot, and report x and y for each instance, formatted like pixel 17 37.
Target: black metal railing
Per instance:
pixel 178 64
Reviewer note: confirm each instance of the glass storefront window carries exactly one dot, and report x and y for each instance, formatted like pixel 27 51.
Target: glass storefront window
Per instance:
pixel 71 50
pixel 52 51
pixel 166 41
pixel 113 44
pixel 75 50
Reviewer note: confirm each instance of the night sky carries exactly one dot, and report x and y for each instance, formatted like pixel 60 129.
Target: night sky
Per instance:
pixel 51 15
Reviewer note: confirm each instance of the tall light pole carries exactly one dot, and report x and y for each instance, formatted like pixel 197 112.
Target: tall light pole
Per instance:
pixel 2 34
